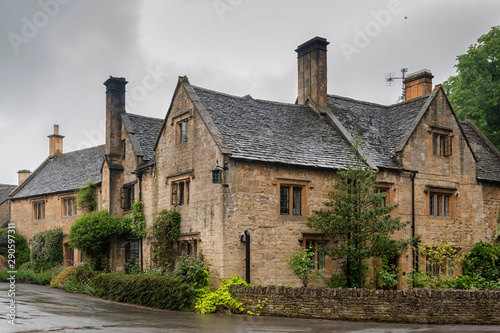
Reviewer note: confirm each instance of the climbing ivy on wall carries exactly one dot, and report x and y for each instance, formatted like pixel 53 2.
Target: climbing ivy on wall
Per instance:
pixel 87 197
pixel 138 226
pixel 165 231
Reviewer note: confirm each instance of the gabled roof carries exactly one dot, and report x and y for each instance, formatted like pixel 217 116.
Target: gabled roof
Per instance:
pixel 143 132
pixel 63 173
pixel 274 132
pixel 487 156
pixel 5 191
pixel 383 128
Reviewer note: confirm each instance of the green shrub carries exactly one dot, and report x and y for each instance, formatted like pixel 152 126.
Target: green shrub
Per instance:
pixel 221 299
pixel 75 279
pixel 336 281
pixel 22 250
pixel 162 292
pixel 192 270
pixel 483 260
pixel 47 249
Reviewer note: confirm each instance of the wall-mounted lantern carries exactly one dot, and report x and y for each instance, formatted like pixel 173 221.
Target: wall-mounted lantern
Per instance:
pixel 217 174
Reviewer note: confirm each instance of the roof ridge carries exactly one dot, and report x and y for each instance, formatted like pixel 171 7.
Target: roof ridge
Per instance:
pixel 377 104
pixel 142 116
pixel 246 98
pixel 80 150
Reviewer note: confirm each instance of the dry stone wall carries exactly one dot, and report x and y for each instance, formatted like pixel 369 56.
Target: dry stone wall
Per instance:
pixel 412 305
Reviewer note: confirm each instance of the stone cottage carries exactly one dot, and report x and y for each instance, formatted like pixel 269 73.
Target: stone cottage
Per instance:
pixel 278 162
pixel 246 173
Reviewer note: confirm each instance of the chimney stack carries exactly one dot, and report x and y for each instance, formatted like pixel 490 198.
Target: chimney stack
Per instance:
pixel 22 175
pixel 312 72
pixel 56 142
pixel 115 107
pixel 418 84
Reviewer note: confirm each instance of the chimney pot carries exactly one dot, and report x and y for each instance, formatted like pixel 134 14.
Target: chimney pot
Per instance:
pixel 418 84
pixel 55 142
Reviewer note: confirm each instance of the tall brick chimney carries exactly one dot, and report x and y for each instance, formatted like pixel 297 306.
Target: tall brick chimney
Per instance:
pixel 418 84
pixel 55 142
pixel 22 175
pixel 115 106
pixel 312 72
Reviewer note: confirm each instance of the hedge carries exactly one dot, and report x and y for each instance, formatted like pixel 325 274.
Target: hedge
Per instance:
pixel 161 292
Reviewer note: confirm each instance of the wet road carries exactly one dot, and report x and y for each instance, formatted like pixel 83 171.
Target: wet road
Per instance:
pixel 42 309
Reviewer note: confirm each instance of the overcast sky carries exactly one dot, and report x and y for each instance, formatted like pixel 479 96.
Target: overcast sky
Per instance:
pixel 55 55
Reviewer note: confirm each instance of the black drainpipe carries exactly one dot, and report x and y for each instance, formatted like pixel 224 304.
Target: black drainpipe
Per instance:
pixel 138 174
pixel 247 259
pixel 414 253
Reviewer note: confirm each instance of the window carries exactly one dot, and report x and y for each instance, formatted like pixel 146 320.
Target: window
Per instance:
pixel 131 249
pixel 441 144
pixel 124 148
pixel 316 252
pixel 183 131
pixel 69 207
pixel 180 192
pixel 188 247
pixel 69 255
pixel 385 200
pixel 127 197
pixel 39 210
pixel 443 267
pixel 439 204
pixel 290 200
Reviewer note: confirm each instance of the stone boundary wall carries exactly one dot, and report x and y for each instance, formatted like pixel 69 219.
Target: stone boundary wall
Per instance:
pixel 411 306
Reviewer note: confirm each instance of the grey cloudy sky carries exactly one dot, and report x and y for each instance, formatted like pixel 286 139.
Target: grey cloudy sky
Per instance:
pixel 55 55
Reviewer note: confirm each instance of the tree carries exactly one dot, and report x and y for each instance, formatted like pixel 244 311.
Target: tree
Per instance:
pixel 356 218
pixel 475 91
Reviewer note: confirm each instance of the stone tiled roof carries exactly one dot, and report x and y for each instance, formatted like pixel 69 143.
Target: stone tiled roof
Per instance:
pixel 143 132
pixel 5 191
pixel 62 173
pixel 383 128
pixel 488 157
pixel 274 132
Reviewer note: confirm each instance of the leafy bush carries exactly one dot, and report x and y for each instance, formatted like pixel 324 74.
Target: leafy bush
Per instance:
pixel 221 299
pixel 302 265
pixel 165 231
pixel 47 249
pixel 91 233
pixel 22 250
pixel 75 279
pixel 162 292
pixel 483 260
pixel 192 270
pixel 336 281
